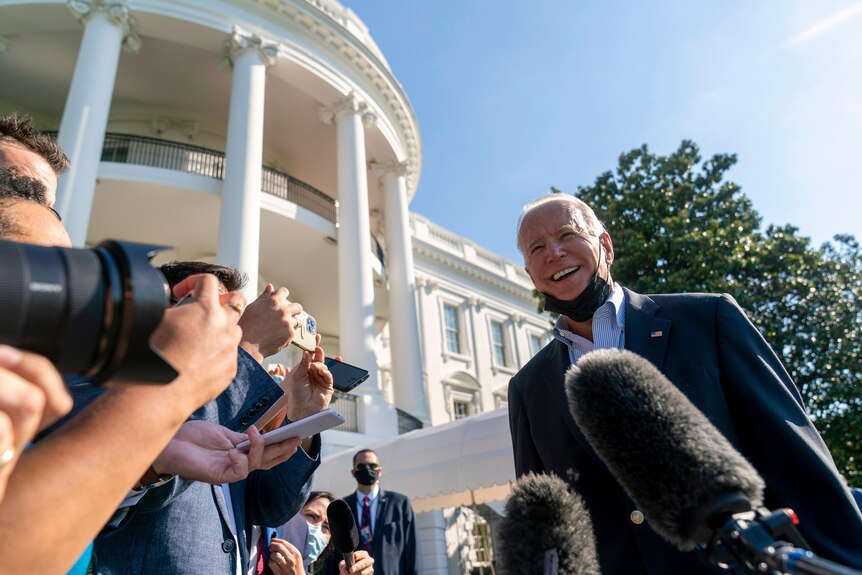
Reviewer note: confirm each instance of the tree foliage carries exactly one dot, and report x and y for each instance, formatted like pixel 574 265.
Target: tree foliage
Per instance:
pixel 678 225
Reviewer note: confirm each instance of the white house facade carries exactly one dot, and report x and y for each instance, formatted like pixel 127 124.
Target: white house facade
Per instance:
pixel 271 135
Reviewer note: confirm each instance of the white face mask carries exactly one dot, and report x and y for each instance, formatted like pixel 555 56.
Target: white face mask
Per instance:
pixel 315 542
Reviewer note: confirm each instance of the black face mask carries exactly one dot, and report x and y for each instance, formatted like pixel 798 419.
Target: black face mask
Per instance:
pixel 365 476
pixel 588 301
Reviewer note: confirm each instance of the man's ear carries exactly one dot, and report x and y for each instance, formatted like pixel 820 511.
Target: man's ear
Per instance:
pixel 608 246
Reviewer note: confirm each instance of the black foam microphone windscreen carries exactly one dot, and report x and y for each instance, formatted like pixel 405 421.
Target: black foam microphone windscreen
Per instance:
pixel 344 537
pixel 546 530
pixel 665 453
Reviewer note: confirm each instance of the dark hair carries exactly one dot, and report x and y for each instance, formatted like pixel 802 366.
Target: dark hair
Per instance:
pixel 8 226
pixel 19 129
pixel 360 452
pixel 13 185
pixel 14 189
pixel 231 278
pixel 314 495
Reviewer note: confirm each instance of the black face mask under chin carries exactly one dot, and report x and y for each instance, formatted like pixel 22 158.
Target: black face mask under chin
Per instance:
pixel 588 301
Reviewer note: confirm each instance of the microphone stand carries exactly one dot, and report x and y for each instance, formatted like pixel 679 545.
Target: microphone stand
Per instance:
pixel 764 541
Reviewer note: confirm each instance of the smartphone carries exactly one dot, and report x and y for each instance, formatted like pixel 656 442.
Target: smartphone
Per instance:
pixel 304 335
pixel 345 376
pixel 305 427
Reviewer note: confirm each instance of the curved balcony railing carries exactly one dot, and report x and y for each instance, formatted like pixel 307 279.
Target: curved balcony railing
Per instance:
pixel 157 153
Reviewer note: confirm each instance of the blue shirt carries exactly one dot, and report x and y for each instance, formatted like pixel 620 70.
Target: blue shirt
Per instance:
pixel 609 323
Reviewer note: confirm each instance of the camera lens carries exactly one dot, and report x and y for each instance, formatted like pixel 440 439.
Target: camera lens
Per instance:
pixel 90 311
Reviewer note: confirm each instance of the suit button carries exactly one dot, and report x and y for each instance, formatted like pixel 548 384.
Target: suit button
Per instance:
pixel 637 517
pixel 227 545
pixel 251 412
pixel 245 420
pixel 259 404
pixel 264 399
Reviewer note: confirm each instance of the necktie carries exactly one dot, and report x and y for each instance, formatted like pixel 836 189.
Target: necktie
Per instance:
pixel 262 567
pixel 365 526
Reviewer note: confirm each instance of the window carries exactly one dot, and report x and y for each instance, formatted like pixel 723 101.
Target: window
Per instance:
pixel 535 344
pixel 498 344
pixel 452 328
pixel 460 409
pixel 481 542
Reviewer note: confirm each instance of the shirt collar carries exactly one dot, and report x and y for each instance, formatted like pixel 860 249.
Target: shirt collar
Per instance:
pixel 614 308
pixel 372 495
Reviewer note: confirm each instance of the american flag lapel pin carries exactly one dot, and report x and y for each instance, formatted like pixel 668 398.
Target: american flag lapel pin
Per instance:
pixel 656 333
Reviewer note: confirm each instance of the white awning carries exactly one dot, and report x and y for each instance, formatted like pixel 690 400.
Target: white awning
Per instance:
pixel 464 462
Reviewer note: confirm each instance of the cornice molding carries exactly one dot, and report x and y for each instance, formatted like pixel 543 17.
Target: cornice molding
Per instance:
pixel 318 18
pixel 473 270
pixel 118 13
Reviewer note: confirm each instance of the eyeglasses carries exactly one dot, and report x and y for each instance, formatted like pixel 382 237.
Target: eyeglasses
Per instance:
pixel 371 466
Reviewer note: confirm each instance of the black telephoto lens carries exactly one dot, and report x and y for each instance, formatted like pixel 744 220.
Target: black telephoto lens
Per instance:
pixel 89 311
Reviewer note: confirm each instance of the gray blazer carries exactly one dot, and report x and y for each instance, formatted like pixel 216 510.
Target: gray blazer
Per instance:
pixel 184 526
pixel 705 346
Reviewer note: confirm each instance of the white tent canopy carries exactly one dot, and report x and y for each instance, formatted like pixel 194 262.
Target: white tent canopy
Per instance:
pixel 464 462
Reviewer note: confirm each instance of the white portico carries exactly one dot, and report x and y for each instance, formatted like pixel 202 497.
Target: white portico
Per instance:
pixel 257 134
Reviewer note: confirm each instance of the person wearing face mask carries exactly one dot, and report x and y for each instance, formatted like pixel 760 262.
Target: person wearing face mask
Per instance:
pixel 384 519
pixel 706 346
pixel 296 545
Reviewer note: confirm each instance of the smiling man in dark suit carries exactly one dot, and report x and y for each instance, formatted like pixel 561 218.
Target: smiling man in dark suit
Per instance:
pixel 384 519
pixel 708 348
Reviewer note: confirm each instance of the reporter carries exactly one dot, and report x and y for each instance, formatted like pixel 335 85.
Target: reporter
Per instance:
pixel 82 472
pixel 304 542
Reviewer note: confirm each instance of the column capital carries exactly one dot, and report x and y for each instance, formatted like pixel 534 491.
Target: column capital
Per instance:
pixel 118 13
pixel 380 169
pixel 240 41
pixel 350 104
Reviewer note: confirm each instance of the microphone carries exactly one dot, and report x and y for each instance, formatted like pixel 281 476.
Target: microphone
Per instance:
pixel 692 486
pixel 546 530
pixel 344 536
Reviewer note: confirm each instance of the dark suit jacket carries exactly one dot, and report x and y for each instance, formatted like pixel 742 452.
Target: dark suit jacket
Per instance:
pixel 394 548
pixel 717 358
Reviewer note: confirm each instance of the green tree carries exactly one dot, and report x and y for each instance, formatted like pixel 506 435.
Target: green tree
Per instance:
pixel 678 225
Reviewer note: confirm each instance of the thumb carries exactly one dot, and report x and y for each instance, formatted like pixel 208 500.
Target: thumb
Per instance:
pixel 268 289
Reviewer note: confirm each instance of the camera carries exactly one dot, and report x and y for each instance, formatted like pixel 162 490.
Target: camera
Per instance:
pixel 89 311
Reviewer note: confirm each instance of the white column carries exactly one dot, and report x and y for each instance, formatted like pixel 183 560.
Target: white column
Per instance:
pixel 355 275
pixel 407 364
pixel 107 27
pixel 239 220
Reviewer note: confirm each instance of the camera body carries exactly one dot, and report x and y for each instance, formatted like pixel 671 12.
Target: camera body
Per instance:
pixel 89 311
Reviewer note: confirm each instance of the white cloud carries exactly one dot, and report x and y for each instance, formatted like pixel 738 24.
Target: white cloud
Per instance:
pixel 826 24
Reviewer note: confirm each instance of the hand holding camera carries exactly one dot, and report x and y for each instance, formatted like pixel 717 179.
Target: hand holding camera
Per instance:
pixel 268 324
pixel 199 339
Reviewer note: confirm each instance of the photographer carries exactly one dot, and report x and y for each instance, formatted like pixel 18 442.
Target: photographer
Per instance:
pixel 79 475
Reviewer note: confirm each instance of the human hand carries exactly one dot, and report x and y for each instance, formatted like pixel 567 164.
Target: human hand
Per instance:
pixel 205 451
pixel 32 396
pixel 308 385
pixel 268 323
pixel 284 558
pixel 200 339
pixel 363 563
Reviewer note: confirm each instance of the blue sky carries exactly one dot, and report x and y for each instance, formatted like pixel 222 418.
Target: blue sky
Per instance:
pixel 514 97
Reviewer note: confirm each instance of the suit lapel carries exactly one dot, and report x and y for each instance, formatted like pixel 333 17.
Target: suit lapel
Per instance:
pixel 382 503
pixel 646 335
pixel 554 379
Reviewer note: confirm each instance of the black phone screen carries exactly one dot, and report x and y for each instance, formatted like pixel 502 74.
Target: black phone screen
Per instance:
pixel 345 376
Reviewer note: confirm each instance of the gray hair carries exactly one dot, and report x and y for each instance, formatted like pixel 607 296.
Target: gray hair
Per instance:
pixel 583 217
